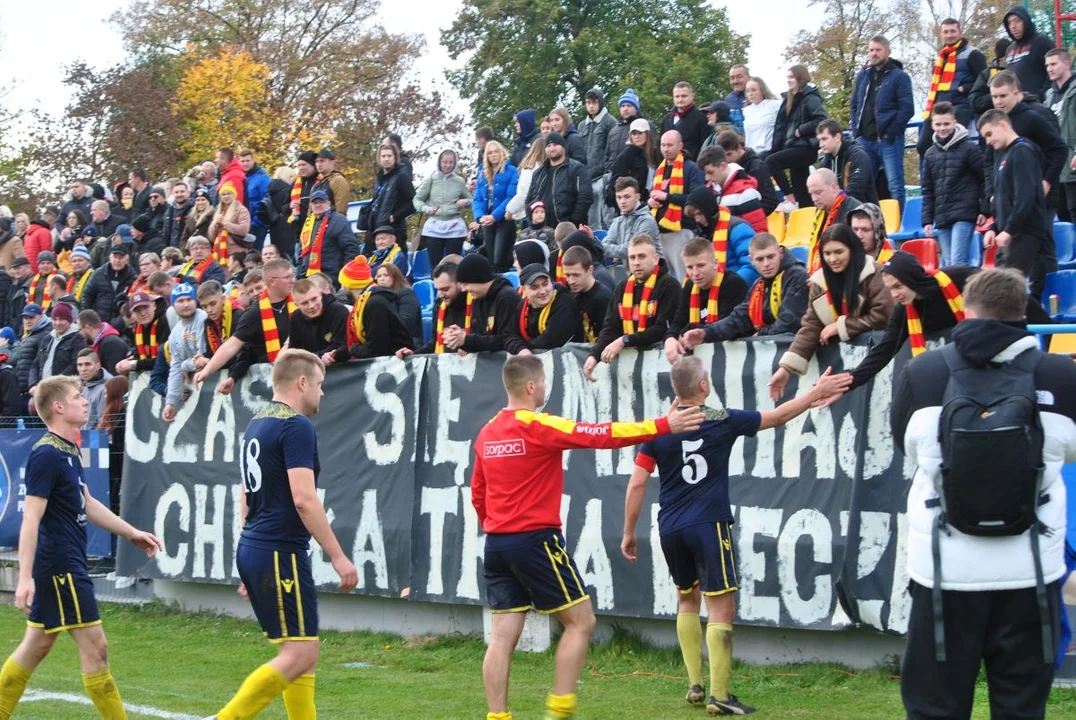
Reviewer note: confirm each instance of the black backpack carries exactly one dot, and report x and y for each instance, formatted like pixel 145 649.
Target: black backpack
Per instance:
pixel 990 483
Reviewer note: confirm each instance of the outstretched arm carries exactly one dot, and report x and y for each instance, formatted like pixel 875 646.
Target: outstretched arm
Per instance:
pixel 827 385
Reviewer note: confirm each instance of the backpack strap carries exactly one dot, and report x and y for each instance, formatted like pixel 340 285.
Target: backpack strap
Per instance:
pixel 1048 653
pixel 936 591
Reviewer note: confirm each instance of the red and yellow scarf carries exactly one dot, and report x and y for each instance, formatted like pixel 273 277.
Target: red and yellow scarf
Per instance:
pixel 46 299
pixel 296 195
pixel 694 314
pixel 220 246
pixel 439 343
pixel 214 337
pixel 561 278
pixel 313 249
pixel 269 329
pixel 543 317
pixel 915 325
pixel 944 73
pixel 673 186
pixel 822 220
pixel 755 308
pixel 833 305
pixel 389 259
pixel 356 331
pixel 198 272
pixel 76 287
pixel 721 243
pixel 146 350
pixel 886 253
pixel 634 317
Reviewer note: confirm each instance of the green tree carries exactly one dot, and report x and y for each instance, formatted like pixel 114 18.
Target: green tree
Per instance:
pixel 544 53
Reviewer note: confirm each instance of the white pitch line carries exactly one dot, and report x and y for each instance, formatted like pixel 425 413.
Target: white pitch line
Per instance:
pixel 38 695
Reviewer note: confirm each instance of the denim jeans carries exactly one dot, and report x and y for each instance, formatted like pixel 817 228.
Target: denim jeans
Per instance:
pixel 954 242
pixel 888 155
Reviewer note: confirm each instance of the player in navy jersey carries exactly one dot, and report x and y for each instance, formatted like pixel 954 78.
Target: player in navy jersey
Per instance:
pixel 695 520
pixel 54 587
pixel 281 508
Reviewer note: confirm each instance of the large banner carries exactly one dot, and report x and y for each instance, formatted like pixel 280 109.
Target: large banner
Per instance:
pixel 818 504
pixel 15 447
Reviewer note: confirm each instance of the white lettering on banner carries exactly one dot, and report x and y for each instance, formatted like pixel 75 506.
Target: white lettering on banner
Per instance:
pixel 172 565
pixel 732 389
pixel 474 543
pixel 870 546
pixel 766 441
pixel 666 596
pixel 221 421
pixel 900 602
pixel 437 503
pixel 591 557
pixel 755 521
pixel 418 365
pixel 455 452
pixel 388 403
pixel 208 532
pixel 797 439
pixel 878 455
pixel 504 448
pixel 321 568
pixel 815 525
pixel 625 391
pixel 137 449
pixel 174 451
pixel 579 398
pixel 262 374
pixel 370 533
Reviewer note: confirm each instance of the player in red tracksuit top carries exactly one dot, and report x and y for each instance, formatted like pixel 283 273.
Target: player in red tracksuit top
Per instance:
pixel 516 490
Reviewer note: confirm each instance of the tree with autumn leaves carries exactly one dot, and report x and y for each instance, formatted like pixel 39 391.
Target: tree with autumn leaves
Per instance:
pixel 276 78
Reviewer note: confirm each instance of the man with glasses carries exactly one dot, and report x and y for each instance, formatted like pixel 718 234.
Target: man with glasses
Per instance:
pixel 260 334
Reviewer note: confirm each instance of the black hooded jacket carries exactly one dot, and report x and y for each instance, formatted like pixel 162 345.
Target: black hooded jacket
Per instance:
pixel 854 171
pixel 492 317
pixel 807 112
pixel 1027 56
pixel 563 325
pixel 793 306
pixel 325 333
pixel 757 168
pixel 385 332
pixel 1034 121
pixel 666 295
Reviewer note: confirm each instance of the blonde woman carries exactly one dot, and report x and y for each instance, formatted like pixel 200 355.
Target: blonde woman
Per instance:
pixel 496 187
pixel 517 206
pixel 759 115
pixel 231 223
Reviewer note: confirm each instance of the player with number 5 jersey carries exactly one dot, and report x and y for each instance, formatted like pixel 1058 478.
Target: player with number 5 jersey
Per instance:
pixel 281 511
pixel 695 520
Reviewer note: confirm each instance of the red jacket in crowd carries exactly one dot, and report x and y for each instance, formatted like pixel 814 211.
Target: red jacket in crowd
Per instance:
pixel 518 468
pixel 38 238
pixel 235 175
pixel 741 196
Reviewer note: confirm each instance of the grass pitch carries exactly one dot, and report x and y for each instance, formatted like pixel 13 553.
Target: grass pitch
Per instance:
pixel 191 664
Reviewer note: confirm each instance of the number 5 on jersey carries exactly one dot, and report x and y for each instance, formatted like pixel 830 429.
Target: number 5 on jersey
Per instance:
pixel 695 467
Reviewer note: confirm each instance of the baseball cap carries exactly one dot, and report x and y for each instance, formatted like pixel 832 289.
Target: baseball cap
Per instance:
pixel 532 272
pixel 140 299
pixel 639 125
pixel 319 195
pixel 32 310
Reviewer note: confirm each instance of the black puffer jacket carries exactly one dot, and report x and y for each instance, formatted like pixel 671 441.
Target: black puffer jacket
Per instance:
pixel 393 200
pixel 631 162
pixel 28 350
pixel 953 180
pixel 63 360
pixel 565 190
pixel 757 168
pixel 106 290
pixel 807 112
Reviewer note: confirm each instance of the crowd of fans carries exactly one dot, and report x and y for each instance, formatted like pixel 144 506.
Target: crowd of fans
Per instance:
pixel 614 233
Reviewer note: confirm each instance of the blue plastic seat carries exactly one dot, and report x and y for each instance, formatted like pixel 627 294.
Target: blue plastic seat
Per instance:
pixel 420 268
pixel 599 235
pixel 426 294
pixel 800 252
pixel 1065 239
pixel 427 328
pixel 1063 284
pixel 513 277
pixel 911 221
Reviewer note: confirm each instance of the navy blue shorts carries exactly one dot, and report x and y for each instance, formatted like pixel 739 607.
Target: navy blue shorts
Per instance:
pixel 281 590
pixel 703 555
pixel 63 602
pixel 525 570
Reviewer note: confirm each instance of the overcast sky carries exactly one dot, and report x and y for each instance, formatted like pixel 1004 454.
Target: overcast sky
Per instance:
pixel 35 49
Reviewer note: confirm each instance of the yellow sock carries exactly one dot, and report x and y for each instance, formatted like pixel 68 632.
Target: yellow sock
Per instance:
pixel 560 706
pixel 13 680
pixel 105 695
pixel 299 698
pixel 506 715
pixel 256 692
pixel 689 633
pixel 719 643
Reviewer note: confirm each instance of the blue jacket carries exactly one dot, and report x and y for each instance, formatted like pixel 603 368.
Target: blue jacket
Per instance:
pixel 504 189
pixel 377 259
pixel 257 188
pixel 739 250
pixel 893 103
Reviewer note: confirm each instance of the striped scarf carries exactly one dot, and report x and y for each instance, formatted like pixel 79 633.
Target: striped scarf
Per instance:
pixel 634 317
pixel 885 253
pixel 269 329
pixel 944 73
pixel 356 332
pixel 561 278
pixel 755 304
pixel 215 338
pixel 46 299
pixel 220 246
pixel 833 305
pixel 388 257
pixel 822 220
pixel 695 307
pixel 670 221
pixel 295 196
pixel 146 351
pixel 77 286
pixel 543 317
pixel 915 324
pixel 198 272
pixel 721 243
pixel 439 343
pixel 312 250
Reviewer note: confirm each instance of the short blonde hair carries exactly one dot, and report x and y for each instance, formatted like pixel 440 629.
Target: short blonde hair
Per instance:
pixel 285 173
pixel 519 370
pixel 53 390
pixel 292 364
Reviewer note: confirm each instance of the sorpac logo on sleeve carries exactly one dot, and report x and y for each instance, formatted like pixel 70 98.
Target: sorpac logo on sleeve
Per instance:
pixel 504 448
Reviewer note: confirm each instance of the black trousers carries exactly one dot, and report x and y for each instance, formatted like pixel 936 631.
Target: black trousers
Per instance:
pixel 1001 628
pixel 798 160
pixel 499 242
pixel 1031 255
pixel 439 247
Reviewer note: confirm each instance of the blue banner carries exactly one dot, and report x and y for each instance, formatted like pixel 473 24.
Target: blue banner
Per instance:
pixel 15 447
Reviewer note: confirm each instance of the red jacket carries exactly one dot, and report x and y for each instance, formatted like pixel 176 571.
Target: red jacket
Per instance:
pixel 38 238
pixel 234 174
pixel 518 467
pixel 741 196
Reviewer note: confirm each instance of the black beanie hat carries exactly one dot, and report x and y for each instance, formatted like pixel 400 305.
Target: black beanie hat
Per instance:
pixel 580 239
pixel 309 157
pixel 474 269
pixel 905 267
pixel 531 251
pixel 141 223
pixel 555 138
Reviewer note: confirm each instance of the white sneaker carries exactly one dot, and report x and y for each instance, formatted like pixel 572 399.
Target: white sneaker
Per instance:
pixel 788 206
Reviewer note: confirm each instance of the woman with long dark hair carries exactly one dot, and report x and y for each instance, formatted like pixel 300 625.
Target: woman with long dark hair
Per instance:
pixel 114 422
pixel 795 147
pixel 638 159
pixel 394 197
pixel 845 297
pixel 407 305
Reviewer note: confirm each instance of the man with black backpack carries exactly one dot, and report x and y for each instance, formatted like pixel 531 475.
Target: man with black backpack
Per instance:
pixel 989 421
